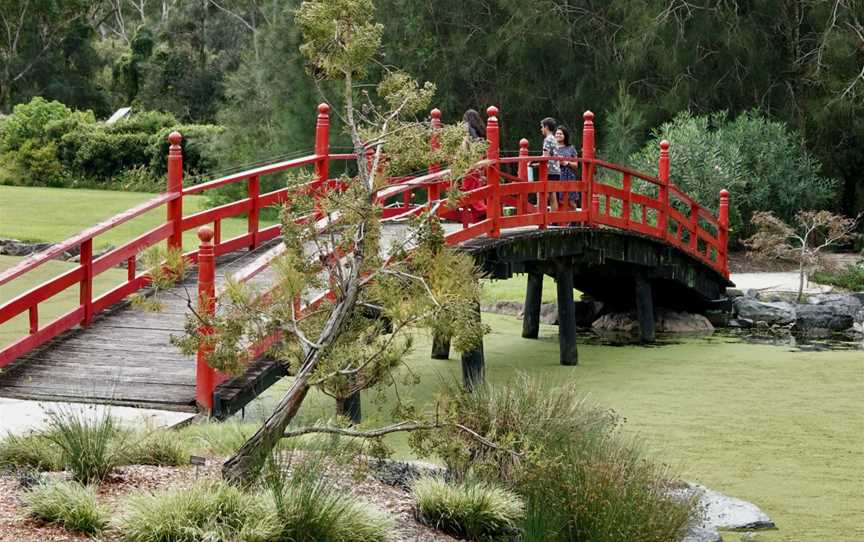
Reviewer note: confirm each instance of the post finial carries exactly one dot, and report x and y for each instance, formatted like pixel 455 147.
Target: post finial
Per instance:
pixel 435 114
pixel 492 111
pixel 175 138
pixel 724 194
pixel 205 234
pixel 664 145
pixel 324 109
pixel 523 143
pixel 588 116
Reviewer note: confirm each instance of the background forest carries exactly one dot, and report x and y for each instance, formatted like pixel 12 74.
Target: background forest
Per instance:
pixel 746 85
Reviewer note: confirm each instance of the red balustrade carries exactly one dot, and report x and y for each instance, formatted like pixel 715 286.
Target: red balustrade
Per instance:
pixel 611 196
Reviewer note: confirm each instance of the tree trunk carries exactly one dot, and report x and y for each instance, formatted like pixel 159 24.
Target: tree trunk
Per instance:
pixel 800 281
pixel 245 464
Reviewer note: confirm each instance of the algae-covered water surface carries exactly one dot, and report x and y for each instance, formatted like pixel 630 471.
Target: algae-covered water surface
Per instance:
pixel 781 427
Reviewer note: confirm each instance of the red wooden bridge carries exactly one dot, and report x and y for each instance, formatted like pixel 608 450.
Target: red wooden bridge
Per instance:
pixel 635 228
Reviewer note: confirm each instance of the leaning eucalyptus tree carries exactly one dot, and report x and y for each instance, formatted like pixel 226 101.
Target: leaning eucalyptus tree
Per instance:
pixel 369 299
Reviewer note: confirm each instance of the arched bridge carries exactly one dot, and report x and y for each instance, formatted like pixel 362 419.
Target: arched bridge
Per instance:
pixel 637 239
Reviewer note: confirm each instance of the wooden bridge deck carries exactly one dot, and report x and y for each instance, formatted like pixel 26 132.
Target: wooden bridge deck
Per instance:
pixel 125 356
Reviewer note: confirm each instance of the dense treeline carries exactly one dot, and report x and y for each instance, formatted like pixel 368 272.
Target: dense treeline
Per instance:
pixel 635 63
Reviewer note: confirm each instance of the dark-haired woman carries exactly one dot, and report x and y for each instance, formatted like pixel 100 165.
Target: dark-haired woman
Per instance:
pixel 564 149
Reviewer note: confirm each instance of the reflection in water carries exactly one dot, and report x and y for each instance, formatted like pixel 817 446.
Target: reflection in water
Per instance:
pixel 783 338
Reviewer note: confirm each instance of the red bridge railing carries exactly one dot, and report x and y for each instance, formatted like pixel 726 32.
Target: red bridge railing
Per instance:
pixel 612 196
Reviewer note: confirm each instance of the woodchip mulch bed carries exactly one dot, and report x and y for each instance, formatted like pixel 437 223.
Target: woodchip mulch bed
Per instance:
pixel 15 526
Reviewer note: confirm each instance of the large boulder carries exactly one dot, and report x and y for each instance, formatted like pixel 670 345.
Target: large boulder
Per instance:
pixel 779 313
pixel 821 317
pixel 665 321
pixel 719 511
pixel 682 322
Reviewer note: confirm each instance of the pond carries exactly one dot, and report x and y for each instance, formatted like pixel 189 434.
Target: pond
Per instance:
pixel 778 424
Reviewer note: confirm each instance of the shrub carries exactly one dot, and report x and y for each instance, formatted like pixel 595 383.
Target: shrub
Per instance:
pixel 68 503
pixel 473 510
pixel 30 452
pixel 206 511
pixel 850 277
pixel 311 507
pixel 91 447
pixel 579 478
pixel 762 163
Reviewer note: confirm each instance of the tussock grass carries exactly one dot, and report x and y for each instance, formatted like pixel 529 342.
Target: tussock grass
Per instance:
pixel 162 448
pixel 311 507
pixel 68 503
pixel 206 511
pixel 473 510
pixel 91 446
pixel 32 452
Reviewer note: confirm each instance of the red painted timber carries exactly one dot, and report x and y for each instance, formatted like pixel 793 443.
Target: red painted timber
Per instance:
pixel 132 248
pixel 256 172
pixel 119 293
pixel 40 293
pixel 58 326
pixel 31 262
pixel 228 210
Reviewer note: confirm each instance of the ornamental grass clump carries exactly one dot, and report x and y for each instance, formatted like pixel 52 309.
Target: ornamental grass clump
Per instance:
pixel 68 503
pixel 90 446
pixel 161 448
pixel 29 452
pixel 311 507
pixel 472 510
pixel 579 477
pixel 206 511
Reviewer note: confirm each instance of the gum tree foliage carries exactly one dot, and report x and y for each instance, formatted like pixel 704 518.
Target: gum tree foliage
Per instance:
pixel 802 242
pixel 762 163
pixel 416 282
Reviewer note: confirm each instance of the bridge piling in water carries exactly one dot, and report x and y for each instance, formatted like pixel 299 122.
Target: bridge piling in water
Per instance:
pixel 473 362
pixel 645 309
pixel 533 301
pixel 567 349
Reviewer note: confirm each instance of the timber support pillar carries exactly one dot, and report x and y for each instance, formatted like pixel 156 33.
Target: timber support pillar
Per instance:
pixel 350 407
pixel 568 352
pixel 645 309
pixel 473 362
pixel 440 346
pixel 533 299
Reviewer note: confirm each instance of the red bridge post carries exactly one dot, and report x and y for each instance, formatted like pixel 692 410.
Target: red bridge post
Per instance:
pixel 523 176
pixel 175 186
pixel 587 166
pixel 85 293
pixel 493 207
pixel 723 234
pixel 322 143
pixel 434 192
pixel 205 376
pixel 663 190
pixel 254 190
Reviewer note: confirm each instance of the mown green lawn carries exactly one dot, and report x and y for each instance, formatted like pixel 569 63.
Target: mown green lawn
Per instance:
pixel 780 428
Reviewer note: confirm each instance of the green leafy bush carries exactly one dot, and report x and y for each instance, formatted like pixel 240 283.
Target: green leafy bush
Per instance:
pixel 472 510
pixel 850 277
pixel 762 163
pixel 47 144
pixel 33 451
pixel 206 511
pixel 68 503
pixel 580 480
